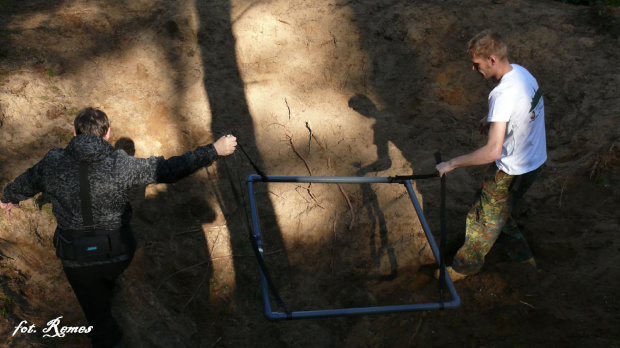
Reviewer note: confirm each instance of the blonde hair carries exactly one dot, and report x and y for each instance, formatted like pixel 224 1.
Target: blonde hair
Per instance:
pixel 486 44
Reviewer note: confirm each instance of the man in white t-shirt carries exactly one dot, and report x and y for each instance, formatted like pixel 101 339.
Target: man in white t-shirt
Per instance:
pixel 516 147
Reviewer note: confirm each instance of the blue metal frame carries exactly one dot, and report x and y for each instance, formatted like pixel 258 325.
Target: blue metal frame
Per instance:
pixel 276 316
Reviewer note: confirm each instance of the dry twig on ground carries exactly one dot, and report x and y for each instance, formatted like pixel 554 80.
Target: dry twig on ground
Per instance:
pixel 344 193
pixel 415 333
pixel 203 278
pixel 309 138
pixel 290 139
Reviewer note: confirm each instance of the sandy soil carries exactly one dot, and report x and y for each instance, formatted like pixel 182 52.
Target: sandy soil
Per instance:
pixel 383 84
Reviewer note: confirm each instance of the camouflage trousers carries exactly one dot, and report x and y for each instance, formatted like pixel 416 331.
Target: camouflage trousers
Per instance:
pixel 490 216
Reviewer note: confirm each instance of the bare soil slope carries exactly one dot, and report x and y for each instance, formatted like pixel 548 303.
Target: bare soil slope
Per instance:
pixel 322 88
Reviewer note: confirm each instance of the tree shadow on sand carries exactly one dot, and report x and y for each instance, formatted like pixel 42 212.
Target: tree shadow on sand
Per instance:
pixel 230 113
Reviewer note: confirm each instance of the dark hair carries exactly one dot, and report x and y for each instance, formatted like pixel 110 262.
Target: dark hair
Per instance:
pixel 488 43
pixel 91 121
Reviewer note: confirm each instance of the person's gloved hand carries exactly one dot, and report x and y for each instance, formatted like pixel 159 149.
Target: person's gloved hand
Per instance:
pixel 225 145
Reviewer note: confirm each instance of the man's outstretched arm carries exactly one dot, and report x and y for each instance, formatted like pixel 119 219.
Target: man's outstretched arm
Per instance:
pixel 176 168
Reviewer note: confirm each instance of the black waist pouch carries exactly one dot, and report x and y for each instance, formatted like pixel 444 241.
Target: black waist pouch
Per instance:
pixel 90 246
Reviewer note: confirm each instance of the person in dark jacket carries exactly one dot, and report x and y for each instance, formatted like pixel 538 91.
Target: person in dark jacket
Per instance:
pixel 88 183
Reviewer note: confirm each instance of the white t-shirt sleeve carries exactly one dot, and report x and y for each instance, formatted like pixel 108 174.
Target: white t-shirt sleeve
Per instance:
pixel 500 107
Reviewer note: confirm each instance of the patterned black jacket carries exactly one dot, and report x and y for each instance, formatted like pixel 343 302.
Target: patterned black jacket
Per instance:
pixel 112 174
